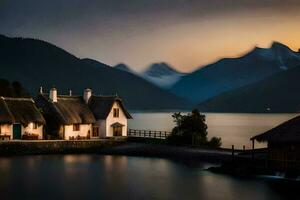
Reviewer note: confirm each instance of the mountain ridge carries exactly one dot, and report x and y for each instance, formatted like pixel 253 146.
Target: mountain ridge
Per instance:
pixel 230 73
pixel 276 94
pixel 38 63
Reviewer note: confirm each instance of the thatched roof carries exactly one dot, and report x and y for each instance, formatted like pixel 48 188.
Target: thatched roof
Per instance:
pixel 102 105
pixel 19 110
pixel 67 110
pixel 288 131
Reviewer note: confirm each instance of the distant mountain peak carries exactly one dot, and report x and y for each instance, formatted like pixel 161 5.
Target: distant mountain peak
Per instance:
pixel 160 69
pixel 162 74
pixel 277 45
pixel 123 66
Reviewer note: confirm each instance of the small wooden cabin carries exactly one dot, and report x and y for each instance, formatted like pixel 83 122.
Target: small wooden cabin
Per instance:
pixel 68 117
pixel 283 145
pixel 20 119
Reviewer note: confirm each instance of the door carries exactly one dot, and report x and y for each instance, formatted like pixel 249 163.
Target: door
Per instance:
pixel 17 131
pixel 117 130
pixel 95 131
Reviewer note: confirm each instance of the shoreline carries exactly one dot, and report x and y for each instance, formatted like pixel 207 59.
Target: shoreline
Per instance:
pixel 115 146
pixel 240 164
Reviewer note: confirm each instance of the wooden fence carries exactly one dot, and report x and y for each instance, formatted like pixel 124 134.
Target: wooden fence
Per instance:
pixel 148 134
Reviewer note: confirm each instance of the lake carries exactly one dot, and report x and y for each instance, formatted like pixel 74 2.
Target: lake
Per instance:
pixel 234 129
pixel 120 177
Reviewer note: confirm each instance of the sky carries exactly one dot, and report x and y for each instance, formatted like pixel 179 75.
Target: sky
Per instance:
pixel 187 34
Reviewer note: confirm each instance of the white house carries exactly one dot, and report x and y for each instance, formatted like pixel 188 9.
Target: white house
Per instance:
pixel 110 114
pixel 67 117
pixel 71 117
pixel 20 119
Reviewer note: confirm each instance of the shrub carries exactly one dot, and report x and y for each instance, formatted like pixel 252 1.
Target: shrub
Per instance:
pixel 215 142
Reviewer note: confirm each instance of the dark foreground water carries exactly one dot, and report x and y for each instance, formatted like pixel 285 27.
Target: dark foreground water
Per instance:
pixel 121 177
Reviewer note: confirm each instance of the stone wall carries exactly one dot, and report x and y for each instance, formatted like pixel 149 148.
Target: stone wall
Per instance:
pixel 57 146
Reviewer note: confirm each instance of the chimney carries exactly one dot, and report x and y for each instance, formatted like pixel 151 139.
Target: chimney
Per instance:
pixel 70 92
pixel 53 95
pixel 87 95
pixel 41 90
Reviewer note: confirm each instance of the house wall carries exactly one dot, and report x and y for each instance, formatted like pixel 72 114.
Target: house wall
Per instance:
pixel 6 129
pixel 83 132
pixel 111 120
pixel 102 128
pixel 29 129
pixel 284 157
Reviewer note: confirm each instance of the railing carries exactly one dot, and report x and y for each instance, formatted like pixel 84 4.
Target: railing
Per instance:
pixel 148 134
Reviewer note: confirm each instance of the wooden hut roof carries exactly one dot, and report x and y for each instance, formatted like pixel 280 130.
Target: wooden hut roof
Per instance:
pixel 67 110
pixel 102 105
pixel 19 110
pixel 288 131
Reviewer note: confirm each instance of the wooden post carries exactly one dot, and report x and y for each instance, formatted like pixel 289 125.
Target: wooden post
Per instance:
pixel 232 152
pixel 253 149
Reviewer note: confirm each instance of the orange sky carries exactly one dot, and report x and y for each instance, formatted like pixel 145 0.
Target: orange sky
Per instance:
pixel 190 45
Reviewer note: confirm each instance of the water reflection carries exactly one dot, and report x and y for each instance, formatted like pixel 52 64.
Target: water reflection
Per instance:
pixel 121 177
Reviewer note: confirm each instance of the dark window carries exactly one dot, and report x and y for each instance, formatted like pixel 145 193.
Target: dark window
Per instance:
pixel 116 112
pixel 35 126
pixel 76 127
pixel 95 131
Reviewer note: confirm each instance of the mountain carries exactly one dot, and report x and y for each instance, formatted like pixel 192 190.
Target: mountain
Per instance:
pixel 231 73
pixel 36 63
pixel 278 94
pixel 124 67
pixel 162 74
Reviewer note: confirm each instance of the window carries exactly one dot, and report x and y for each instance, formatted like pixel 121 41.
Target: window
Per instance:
pixel 76 127
pixel 34 125
pixel 116 112
pixel 95 131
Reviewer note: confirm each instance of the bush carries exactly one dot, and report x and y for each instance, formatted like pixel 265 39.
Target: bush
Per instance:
pixel 215 142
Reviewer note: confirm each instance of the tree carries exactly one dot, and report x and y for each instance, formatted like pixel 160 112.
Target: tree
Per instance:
pixel 5 89
pixel 18 90
pixel 191 129
pixel 12 90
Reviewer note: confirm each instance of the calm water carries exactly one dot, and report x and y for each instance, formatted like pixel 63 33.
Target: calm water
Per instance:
pixel 234 129
pixel 121 177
